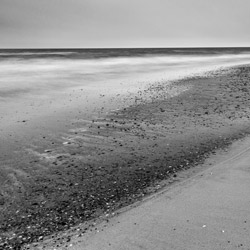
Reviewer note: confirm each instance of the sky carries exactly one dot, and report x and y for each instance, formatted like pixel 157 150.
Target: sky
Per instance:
pixel 124 23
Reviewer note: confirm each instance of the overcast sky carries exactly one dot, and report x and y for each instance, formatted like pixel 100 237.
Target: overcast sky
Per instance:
pixel 124 23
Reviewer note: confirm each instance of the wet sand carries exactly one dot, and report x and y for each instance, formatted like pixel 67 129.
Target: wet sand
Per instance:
pixel 96 166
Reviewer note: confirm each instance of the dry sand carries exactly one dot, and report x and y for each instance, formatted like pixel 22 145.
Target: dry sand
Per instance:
pixel 93 167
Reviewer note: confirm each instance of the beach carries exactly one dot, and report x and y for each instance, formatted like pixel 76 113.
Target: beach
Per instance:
pixel 161 158
pixel 128 146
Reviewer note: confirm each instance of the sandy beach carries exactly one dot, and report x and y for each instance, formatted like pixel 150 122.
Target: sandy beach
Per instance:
pixel 80 176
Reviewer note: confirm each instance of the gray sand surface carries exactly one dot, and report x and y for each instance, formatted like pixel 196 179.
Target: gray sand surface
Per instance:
pixel 208 211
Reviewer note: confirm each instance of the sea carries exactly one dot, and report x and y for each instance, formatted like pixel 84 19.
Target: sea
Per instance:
pixel 26 71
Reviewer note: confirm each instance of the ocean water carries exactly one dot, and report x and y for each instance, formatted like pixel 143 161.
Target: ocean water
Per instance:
pixel 56 86
pixel 42 71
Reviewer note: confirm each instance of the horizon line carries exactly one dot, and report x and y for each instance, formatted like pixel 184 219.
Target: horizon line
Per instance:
pixel 188 47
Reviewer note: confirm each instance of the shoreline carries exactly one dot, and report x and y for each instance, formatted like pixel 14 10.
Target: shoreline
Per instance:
pixel 109 163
